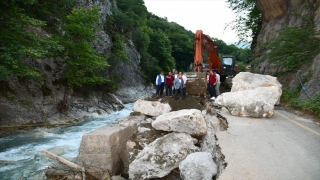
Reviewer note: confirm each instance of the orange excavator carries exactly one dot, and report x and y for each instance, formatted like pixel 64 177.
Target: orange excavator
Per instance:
pixel 204 42
pixel 225 67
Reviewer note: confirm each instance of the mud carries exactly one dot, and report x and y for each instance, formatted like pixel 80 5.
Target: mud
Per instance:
pixel 191 102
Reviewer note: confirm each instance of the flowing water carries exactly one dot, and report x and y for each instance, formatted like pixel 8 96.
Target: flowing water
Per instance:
pixel 20 154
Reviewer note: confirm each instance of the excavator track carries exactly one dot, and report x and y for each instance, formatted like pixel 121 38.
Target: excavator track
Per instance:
pixel 196 83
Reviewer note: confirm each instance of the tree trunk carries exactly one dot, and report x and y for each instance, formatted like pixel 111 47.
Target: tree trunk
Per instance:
pixel 67 163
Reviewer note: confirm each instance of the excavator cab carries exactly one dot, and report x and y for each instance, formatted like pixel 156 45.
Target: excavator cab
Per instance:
pixel 228 66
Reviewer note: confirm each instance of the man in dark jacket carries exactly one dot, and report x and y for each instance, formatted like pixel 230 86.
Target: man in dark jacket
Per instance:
pixel 169 84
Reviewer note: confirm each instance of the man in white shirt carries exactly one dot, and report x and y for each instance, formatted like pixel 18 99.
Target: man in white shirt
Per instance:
pixel 160 81
pixel 185 82
pixel 175 74
pixel 218 83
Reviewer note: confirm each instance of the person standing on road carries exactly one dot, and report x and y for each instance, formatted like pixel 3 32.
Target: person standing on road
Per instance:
pixel 175 75
pixel 208 83
pixel 169 84
pixel 160 81
pixel 184 89
pixel 218 83
pixel 178 85
pixel 213 81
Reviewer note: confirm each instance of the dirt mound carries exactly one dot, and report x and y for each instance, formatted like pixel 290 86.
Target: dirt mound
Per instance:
pixel 191 102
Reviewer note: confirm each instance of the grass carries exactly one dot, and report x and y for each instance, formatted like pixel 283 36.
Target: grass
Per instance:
pixel 311 105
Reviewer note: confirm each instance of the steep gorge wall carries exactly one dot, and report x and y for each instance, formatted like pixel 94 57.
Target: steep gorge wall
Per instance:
pixel 28 102
pixel 277 14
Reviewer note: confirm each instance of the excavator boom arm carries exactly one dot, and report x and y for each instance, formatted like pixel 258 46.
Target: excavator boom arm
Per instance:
pixel 202 42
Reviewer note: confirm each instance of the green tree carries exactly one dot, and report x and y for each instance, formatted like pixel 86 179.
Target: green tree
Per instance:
pixel 160 48
pixel 241 66
pixel 85 65
pixel 137 7
pixel 248 21
pixel 181 40
pixel 50 11
pixel 18 40
pixel 182 48
pixel 245 56
pixel 242 55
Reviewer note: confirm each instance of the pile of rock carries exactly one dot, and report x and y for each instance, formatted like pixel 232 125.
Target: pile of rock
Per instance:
pixel 252 95
pixel 152 142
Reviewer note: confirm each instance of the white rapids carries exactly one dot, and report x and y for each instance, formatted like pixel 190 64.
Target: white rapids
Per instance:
pixel 20 154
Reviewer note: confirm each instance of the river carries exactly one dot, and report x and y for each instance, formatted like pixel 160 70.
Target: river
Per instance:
pixel 20 154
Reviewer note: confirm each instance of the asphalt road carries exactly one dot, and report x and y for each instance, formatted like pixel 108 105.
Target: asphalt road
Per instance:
pixel 284 146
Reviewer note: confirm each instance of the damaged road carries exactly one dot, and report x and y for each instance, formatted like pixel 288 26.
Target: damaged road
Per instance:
pixel 283 146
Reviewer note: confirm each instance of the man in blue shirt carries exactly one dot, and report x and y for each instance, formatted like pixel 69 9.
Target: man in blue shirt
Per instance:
pixel 160 81
pixel 178 84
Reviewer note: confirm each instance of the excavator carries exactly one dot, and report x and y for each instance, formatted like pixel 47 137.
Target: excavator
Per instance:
pixel 225 67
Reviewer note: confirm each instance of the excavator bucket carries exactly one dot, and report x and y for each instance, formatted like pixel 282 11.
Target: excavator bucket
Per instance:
pixel 196 83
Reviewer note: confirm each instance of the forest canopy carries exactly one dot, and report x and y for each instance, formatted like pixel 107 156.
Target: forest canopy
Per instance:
pixel 162 45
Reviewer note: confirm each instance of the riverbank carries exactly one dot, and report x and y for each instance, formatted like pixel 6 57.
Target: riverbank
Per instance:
pixel 16 117
pixel 20 153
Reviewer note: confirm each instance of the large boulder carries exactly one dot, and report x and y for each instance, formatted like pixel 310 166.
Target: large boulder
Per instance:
pixel 209 141
pixel 189 121
pixel 161 156
pixel 127 156
pixel 198 166
pixel 251 81
pixel 151 108
pixel 253 103
pixel 100 150
pixel 146 134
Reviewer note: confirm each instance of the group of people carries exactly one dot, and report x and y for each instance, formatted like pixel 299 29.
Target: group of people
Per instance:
pixel 213 83
pixel 174 82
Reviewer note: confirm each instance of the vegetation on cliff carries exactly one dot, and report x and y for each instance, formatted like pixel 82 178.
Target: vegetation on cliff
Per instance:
pixel 18 39
pixel 71 39
pixel 248 21
pixel 163 45
pixel 292 48
pixel 38 29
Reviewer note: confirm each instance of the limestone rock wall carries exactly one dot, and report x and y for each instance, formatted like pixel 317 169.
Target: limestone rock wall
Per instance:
pixel 26 101
pixel 277 14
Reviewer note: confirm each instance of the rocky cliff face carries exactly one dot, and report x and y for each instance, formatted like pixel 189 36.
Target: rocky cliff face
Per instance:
pixel 29 102
pixel 278 14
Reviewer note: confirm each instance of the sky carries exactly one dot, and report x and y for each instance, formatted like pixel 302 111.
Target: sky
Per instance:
pixel 211 16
